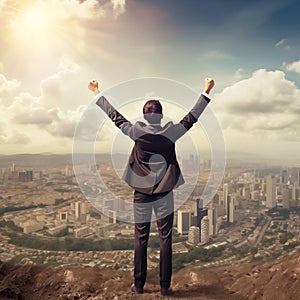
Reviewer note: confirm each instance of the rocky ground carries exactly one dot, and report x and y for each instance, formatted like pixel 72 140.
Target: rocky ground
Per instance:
pixel 277 280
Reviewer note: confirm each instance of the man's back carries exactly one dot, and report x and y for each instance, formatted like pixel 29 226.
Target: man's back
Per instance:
pixel 152 166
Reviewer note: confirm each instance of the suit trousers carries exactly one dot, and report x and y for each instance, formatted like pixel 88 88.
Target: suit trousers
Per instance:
pixel 163 206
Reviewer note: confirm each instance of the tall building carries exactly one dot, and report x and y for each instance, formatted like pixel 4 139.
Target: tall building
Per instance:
pixel 231 208
pixel 294 191
pixel 204 237
pixel 284 176
pixel 22 176
pixel 184 221
pixel 286 196
pixel 194 235
pixel 271 191
pixel 29 175
pixel 81 211
pixel 212 218
pixel 225 197
pixel 200 212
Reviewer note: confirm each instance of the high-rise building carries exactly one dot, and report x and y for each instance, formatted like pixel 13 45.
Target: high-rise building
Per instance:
pixel 81 211
pixel 194 235
pixel 22 176
pixel 184 221
pixel 204 230
pixel 225 197
pixel 212 218
pixel 284 176
pixel 271 191
pixel 294 192
pixel 231 208
pixel 200 212
pixel 286 196
pixel 29 175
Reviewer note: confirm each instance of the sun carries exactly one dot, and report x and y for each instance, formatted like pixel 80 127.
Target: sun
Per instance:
pixel 31 21
pixel 35 21
pixel 42 29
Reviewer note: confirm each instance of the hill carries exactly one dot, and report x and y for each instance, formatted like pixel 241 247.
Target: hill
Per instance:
pixel 277 280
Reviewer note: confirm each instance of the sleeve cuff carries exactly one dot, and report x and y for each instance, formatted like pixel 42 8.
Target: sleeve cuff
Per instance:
pixel 206 95
pixel 98 96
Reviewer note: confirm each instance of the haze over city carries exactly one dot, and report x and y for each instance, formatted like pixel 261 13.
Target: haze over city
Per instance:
pixel 51 49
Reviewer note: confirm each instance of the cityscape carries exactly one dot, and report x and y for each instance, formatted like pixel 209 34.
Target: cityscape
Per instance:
pixel 46 219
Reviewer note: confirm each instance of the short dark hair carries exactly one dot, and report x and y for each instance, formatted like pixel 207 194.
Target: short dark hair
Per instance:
pixel 152 111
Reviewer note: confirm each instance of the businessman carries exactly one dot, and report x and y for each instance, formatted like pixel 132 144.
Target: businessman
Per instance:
pixel 153 172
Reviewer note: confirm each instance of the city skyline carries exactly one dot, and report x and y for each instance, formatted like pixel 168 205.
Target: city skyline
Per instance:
pixel 51 49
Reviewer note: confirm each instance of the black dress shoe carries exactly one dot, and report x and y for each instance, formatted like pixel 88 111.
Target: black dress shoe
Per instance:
pixel 166 291
pixel 137 290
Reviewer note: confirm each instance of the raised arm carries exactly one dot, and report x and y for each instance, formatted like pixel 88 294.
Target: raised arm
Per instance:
pixel 121 122
pixel 203 100
pixel 193 115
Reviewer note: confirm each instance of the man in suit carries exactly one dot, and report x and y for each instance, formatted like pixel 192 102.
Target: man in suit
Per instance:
pixel 153 172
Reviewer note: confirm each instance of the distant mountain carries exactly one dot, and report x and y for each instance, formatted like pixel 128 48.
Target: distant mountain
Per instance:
pixel 241 159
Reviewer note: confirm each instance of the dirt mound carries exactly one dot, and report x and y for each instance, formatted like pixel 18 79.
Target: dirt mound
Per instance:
pixel 280 280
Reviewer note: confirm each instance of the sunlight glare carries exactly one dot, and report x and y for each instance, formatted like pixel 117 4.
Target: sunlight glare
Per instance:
pixel 35 21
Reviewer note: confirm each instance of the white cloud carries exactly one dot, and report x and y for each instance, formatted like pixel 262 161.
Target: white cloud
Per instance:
pixel 283 43
pixel 12 136
pixel 61 89
pixel 50 113
pixel 8 88
pixel 64 9
pixel 294 66
pixel 280 43
pixel 118 6
pixel 265 105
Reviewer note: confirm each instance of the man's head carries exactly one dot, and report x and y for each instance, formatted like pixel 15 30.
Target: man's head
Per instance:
pixel 152 111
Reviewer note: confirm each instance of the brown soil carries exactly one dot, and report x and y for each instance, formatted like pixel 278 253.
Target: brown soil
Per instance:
pixel 277 280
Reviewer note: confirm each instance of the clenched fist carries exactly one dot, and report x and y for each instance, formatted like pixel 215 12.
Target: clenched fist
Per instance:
pixel 93 86
pixel 208 84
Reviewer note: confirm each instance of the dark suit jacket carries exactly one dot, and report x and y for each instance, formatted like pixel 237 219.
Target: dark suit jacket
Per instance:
pixel 152 166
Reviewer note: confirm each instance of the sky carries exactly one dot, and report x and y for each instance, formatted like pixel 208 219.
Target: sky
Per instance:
pixel 51 49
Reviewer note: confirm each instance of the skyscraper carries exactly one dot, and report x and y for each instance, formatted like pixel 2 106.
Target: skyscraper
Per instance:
pixel 212 218
pixel 29 175
pixel 284 176
pixel 200 212
pixel 225 197
pixel 286 196
pixel 271 191
pixel 194 235
pixel 231 208
pixel 184 221
pixel 204 230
